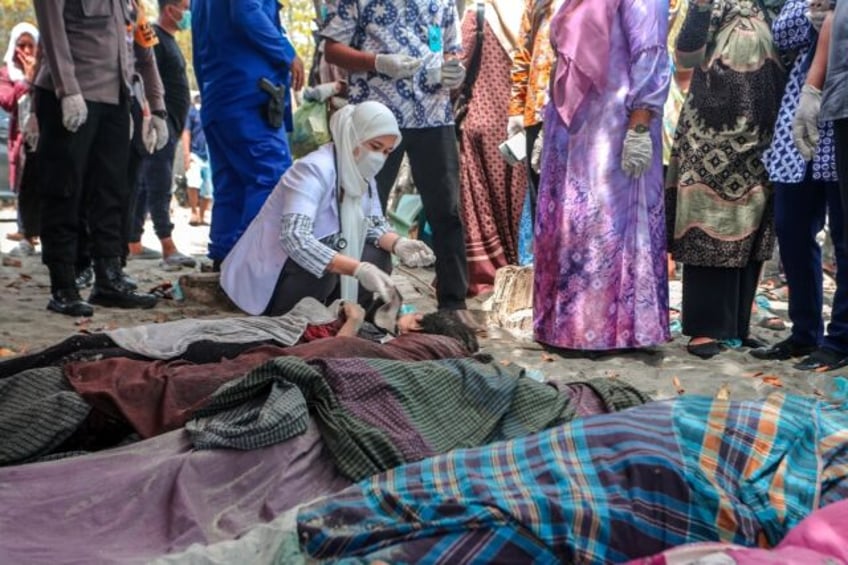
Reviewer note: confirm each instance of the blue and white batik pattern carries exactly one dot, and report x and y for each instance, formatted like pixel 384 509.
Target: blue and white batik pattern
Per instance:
pixel 794 33
pixel 398 27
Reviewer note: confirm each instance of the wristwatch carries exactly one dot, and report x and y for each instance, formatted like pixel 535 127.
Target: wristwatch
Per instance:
pixel 640 128
pixel 160 114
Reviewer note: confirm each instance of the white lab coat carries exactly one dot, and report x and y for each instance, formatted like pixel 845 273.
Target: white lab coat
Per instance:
pixel 250 271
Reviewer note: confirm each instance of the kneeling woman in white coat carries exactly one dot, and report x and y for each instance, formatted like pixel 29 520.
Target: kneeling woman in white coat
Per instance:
pixel 324 220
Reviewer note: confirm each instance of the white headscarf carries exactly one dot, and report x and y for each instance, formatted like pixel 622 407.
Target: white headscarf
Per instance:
pixel 352 126
pixel 15 73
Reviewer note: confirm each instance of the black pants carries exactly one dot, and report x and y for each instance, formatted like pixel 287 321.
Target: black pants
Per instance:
pixel 153 193
pixel 85 170
pixel 434 161
pixel 717 301
pixel 295 283
pixel 532 133
pixel 29 205
pixel 840 130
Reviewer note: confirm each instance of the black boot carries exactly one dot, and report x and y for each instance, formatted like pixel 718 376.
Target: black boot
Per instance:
pixel 65 296
pixel 112 291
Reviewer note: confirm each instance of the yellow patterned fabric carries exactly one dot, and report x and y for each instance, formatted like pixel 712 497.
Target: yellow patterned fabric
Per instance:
pixel 531 68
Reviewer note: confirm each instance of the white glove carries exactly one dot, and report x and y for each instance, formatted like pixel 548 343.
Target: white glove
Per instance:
pixel 414 253
pixel 453 74
pixel 805 126
pixel 374 279
pixel 536 154
pixel 74 112
pixel 637 153
pixel 514 126
pixel 397 66
pixel 321 92
pixel 31 132
pixel 148 134
pixel 160 126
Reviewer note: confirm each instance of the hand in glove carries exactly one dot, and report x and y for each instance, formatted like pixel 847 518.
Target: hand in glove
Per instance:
pixel 536 154
pixel 637 153
pixel 31 132
pixel 397 66
pixel 453 74
pixel 373 279
pixel 160 126
pixel 74 112
pixel 148 134
pixel 413 253
pixel 321 92
pixel 805 126
pixel 514 126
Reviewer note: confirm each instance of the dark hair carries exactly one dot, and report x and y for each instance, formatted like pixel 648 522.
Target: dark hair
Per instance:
pixel 163 3
pixel 446 323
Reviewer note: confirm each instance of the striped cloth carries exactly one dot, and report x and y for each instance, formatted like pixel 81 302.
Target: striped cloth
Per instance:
pixel 604 489
pixel 38 411
pixel 377 414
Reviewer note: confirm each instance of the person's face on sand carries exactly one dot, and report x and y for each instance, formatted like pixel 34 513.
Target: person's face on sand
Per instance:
pixel 409 323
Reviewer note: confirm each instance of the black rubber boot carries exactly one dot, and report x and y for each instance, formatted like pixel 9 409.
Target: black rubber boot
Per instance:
pixel 85 278
pixel 111 290
pixel 65 297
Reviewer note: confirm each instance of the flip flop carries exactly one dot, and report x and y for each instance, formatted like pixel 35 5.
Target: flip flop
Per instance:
pixel 823 360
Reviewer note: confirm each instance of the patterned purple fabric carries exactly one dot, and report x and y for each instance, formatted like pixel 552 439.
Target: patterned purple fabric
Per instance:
pixel 601 281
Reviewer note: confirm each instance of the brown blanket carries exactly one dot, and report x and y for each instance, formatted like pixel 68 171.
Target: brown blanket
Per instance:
pixel 159 396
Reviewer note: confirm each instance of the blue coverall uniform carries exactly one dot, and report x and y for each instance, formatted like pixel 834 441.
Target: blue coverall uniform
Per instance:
pixel 236 44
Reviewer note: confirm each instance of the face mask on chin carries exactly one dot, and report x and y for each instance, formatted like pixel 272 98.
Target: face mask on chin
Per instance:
pixel 369 163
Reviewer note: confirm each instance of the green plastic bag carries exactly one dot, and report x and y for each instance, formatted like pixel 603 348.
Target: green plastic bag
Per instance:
pixel 311 128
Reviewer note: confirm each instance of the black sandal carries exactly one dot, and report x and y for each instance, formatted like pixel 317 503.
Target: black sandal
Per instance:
pixel 823 360
pixel 705 350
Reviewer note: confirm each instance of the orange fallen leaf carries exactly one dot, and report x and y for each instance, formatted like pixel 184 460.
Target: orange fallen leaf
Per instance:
pixel 506 362
pixel 547 358
pixel 6 352
pixel 773 381
pixel 677 386
pixel 753 375
pixel 723 392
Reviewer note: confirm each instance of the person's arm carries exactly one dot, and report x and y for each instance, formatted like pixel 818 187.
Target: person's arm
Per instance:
pixel 250 18
pixel 520 72
pixel 354 318
pixel 55 47
pixel 818 68
pixel 645 26
pixel 145 64
pixel 186 141
pixel 300 244
pixel 348 58
pixel 695 34
pixel 11 92
pixel 338 34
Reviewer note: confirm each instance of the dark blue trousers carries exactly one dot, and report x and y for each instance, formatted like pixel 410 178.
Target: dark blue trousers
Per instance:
pixel 800 213
pixel 153 193
pixel 248 158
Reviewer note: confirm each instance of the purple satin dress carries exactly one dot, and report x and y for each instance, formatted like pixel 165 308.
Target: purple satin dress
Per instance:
pixel 601 279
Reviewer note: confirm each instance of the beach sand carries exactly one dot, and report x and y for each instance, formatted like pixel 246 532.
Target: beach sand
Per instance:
pixel 25 325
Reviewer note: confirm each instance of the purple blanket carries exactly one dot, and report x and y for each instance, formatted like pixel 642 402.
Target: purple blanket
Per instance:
pixel 154 497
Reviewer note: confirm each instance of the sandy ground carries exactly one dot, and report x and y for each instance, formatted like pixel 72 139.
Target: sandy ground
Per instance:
pixel 26 325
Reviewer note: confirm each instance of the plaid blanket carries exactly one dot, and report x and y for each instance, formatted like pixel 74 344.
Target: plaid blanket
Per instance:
pixel 377 414
pixel 603 489
pixel 38 411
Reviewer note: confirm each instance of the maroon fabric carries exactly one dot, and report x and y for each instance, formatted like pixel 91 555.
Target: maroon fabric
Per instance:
pixel 159 396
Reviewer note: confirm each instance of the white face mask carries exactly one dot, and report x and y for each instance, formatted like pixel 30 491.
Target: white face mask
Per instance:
pixel 369 162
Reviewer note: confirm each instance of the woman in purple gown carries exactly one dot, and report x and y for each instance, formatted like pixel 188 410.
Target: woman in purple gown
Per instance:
pixel 601 281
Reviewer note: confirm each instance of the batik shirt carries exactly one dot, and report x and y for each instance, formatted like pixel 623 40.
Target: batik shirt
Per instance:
pixel 398 27
pixel 793 33
pixel 531 67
